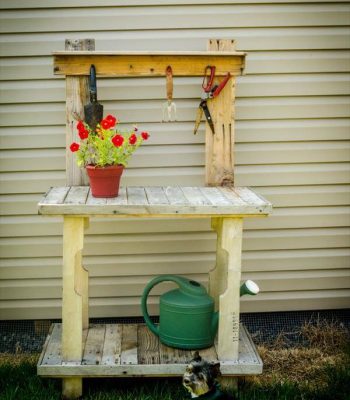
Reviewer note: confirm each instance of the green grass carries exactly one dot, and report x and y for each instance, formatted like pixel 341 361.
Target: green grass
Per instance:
pixel 318 371
pixel 18 381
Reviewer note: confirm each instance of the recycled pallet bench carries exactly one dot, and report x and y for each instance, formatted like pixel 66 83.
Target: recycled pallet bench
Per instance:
pixel 77 349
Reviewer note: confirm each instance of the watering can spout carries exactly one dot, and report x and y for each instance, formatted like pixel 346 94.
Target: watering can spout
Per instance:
pixel 249 287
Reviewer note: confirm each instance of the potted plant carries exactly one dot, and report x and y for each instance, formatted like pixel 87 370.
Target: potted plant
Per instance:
pixel 105 152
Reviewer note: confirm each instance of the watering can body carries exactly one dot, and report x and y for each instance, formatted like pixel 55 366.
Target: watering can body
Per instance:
pixel 187 319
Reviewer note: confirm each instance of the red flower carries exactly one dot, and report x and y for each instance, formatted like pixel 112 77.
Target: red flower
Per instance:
pixel 117 140
pixel 112 120
pixel 105 123
pixel 145 135
pixel 84 134
pixel 133 139
pixel 80 126
pixel 74 147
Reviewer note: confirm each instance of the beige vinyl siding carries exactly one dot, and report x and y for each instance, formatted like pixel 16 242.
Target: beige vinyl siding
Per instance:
pixel 292 145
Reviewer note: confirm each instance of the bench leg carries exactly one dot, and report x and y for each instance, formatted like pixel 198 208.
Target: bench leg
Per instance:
pixel 74 282
pixel 224 284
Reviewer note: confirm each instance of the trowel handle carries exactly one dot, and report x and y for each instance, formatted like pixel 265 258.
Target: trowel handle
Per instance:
pixel 92 84
pixel 159 279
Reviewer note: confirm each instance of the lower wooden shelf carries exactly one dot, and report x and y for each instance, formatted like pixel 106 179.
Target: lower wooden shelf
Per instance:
pixel 132 350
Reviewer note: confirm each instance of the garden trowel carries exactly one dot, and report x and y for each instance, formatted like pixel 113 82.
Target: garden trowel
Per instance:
pixel 94 110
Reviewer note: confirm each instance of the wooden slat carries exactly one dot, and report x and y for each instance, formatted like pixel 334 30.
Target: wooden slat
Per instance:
pixel 215 196
pixel 249 196
pixel 148 346
pixel 77 195
pixel 91 200
pixel 56 195
pixel 112 345
pixel 195 197
pixel 94 345
pixel 124 64
pixel 232 196
pixel 182 201
pixel 122 198
pixel 156 195
pixel 136 195
pixel 153 359
pixel 175 195
pixel 129 344
pixel 52 354
pixel 170 355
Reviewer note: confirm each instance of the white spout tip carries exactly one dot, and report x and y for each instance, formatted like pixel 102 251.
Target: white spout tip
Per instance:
pixel 252 286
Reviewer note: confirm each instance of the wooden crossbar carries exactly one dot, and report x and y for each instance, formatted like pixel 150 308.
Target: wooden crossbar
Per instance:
pixel 147 64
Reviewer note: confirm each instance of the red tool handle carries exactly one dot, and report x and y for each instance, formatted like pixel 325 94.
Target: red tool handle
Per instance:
pixel 208 78
pixel 221 86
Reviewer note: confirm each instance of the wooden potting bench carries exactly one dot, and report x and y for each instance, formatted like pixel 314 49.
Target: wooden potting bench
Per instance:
pixel 75 349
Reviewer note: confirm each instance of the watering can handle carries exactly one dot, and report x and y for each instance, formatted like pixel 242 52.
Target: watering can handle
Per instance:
pixel 163 278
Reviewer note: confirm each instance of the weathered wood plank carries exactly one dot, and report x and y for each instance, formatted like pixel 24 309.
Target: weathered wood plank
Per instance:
pixel 77 95
pixel 170 355
pixel 175 195
pixel 94 345
pixel 219 147
pixel 129 344
pixel 77 195
pixel 112 345
pixel 195 197
pixel 215 196
pixel 136 195
pixel 56 195
pixel 91 200
pixel 53 350
pixel 156 195
pixel 148 346
pixel 172 362
pixel 232 196
pixel 199 202
pixel 147 64
pixel 121 199
pixel 249 196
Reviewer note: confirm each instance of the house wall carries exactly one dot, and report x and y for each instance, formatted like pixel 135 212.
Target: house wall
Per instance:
pixel 292 146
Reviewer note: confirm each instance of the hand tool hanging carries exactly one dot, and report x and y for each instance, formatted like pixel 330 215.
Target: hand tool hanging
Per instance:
pixel 169 107
pixel 210 91
pixel 93 111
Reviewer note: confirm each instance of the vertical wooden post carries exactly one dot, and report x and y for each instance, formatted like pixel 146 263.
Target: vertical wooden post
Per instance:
pixel 72 300
pixel 218 276
pixel 219 165
pixel 77 95
pixel 85 287
pixel 229 270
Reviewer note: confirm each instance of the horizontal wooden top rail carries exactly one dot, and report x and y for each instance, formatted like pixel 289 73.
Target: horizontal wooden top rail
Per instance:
pixel 156 201
pixel 122 64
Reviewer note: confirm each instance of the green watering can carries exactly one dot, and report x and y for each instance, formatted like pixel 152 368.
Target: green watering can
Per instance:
pixel 187 318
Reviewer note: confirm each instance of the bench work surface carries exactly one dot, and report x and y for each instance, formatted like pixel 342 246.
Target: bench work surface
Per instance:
pixel 133 350
pixel 155 201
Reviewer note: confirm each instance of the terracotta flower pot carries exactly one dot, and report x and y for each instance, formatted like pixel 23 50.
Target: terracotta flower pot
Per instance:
pixel 104 181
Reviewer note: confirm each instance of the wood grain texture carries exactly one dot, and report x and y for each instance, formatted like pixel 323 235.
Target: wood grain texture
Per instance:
pixel 219 147
pixel 126 64
pixel 72 301
pixel 229 301
pixel 154 358
pixel 77 96
pixel 190 201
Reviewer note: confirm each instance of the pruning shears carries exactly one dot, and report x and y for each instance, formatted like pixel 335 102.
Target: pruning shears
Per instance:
pixel 210 91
